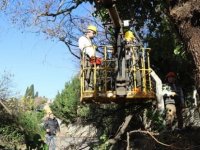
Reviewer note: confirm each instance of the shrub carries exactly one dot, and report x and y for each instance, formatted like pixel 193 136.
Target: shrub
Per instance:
pixel 66 103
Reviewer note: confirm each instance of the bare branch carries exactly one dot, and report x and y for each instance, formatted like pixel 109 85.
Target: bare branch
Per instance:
pixel 68 45
pixel 56 19
pixel 5 85
pixel 65 11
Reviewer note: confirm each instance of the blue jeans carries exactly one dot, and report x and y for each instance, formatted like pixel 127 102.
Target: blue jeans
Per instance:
pixel 51 141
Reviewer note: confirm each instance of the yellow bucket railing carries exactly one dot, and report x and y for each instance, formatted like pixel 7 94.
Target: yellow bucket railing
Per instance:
pixel 104 74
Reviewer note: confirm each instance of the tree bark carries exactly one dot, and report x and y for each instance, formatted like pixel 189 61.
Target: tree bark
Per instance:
pixel 191 37
pixel 121 131
pixel 186 15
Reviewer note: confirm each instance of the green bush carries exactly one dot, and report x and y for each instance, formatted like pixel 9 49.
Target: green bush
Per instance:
pixel 10 135
pixel 30 121
pixel 83 111
pixel 66 103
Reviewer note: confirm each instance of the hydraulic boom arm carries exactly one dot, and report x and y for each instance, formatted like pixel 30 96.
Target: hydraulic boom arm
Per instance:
pixel 119 51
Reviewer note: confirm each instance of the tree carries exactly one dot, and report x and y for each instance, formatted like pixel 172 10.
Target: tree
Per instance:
pixel 5 90
pixel 3 4
pixel 15 123
pixel 56 19
pixel 5 85
pixel 66 103
pixel 30 99
pixel 36 94
pixel 186 18
pixel 30 92
pixel 59 19
pixel 175 22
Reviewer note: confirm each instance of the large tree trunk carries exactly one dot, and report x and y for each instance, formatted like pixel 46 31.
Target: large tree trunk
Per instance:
pixel 186 15
pixel 191 37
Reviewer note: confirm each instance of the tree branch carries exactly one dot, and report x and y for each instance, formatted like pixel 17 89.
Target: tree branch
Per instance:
pixel 65 11
pixel 67 44
pixel 151 134
pixel 185 11
pixel 121 131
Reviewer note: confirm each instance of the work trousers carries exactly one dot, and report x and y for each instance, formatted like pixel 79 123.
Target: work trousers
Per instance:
pixel 89 73
pixel 51 141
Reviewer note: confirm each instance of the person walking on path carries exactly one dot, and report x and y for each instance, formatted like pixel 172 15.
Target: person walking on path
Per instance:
pixel 51 126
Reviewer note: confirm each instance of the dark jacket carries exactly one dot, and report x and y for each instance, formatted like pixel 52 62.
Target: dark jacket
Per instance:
pixel 52 125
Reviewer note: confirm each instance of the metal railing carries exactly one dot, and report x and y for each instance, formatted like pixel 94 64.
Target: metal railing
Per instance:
pixel 103 77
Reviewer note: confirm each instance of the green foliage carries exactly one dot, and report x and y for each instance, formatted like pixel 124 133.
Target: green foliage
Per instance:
pixel 40 115
pixel 30 121
pixel 27 103
pixel 158 32
pixel 25 125
pixel 66 102
pixel 36 94
pixel 10 135
pixel 31 101
pixel 30 92
pixel 157 120
pixel 83 111
pixel 167 54
pixel 104 144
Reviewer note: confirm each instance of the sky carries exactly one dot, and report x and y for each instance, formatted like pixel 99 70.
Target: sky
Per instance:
pixel 33 59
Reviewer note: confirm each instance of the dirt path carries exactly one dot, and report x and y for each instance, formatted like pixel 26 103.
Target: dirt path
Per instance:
pixel 72 143
pixel 69 141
